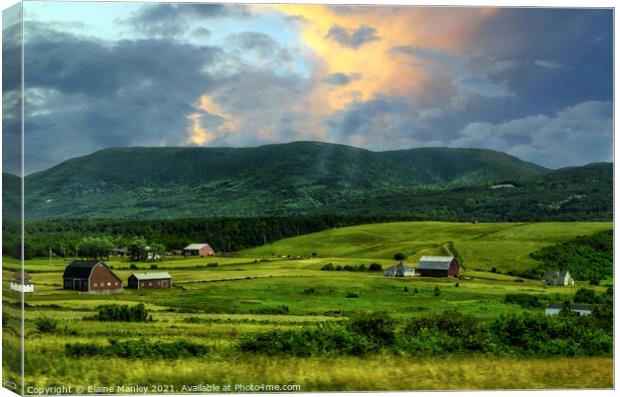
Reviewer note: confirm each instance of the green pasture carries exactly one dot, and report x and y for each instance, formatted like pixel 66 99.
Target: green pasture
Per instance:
pixel 280 286
pixel 482 246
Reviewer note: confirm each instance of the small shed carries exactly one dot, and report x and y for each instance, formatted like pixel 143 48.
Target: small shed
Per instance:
pixel 91 276
pixel 198 249
pixel 558 277
pixel 582 310
pixel 438 266
pixel 150 280
pixel 22 282
pixel 399 270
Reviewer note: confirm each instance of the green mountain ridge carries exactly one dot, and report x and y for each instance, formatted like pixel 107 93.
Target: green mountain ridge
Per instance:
pixel 282 179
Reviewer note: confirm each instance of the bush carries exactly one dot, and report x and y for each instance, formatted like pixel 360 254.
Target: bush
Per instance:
pixel 524 300
pixel 584 295
pixel 594 281
pixel 46 325
pixel 378 327
pixel 352 295
pixel 140 348
pixel 309 291
pixel 349 268
pixel 361 268
pixel 375 267
pixel 124 313
pixel 133 266
pixel 493 270
pixel 437 291
pixel 338 268
pixel 281 309
pixel 212 264
pixel 328 267
pixel 153 266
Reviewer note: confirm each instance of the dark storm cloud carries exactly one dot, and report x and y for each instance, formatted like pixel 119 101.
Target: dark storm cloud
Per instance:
pixel 566 55
pixel 359 117
pixel 342 78
pixel 352 38
pixel 95 95
pixel 254 41
pixel 172 19
pixel 11 84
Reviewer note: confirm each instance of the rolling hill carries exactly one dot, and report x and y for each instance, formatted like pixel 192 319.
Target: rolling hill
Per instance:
pixel 297 178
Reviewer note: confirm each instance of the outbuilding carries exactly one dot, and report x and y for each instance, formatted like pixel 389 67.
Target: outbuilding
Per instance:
pixel 149 280
pixel 582 310
pixel 399 270
pixel 91 276
pixel 198 249
pixel 22 282
pixel 438 266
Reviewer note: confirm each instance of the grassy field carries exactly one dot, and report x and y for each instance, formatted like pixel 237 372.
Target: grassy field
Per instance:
pixel 243 295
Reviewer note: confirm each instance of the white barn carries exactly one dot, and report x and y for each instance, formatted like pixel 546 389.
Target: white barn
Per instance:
pixel 399 270
pixel 22 282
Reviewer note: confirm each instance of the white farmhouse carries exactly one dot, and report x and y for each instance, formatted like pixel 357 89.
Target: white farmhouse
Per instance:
pixel 558 277
pixel 22 282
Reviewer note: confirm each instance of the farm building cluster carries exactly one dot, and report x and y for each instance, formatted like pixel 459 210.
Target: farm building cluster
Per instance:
pixel 96 276
pixel 429 266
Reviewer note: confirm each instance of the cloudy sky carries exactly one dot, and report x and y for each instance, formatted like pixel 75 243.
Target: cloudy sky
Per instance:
pixel 536 83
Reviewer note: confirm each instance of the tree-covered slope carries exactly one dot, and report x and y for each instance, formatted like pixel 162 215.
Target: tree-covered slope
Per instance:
pixel 295 178
pixel 313 178
pixel 586 257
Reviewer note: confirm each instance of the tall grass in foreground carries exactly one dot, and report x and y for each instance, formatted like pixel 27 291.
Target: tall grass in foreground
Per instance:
pixel 376 372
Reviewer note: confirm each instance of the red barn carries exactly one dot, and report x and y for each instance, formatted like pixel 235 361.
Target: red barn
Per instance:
pixel 438 266
pixel 198 249
pixel 91 276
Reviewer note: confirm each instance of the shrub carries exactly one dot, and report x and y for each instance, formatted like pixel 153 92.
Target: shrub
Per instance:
pixel 124 313
pixel 133 266
pixel 309 291
pixel 378 327
pixel 46 325
pixel 153 266
pixel 524 300
pixel 352 295
pixel 594 281
pixel 437 291
pixel 328 267
pixel 375 267
pixel 140 348
pixel 338 268
pixel 212 264
pixel 361 268
pixel 456 285
pixel 493 270
pixel 281 309
pixel 584 295
pixel 405 289
pixel 349 268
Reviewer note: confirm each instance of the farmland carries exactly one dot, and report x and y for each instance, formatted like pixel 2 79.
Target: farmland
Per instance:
pixel 281 287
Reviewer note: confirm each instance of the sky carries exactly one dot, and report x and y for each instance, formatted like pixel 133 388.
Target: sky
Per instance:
pixel 532 82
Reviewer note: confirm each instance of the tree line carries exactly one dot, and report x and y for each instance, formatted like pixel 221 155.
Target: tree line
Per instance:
pixel 98 237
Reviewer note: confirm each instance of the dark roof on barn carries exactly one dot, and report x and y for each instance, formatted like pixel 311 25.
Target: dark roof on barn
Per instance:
pixel 21 276
pixel 435 262
pixel 553 274
pixel 80 269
